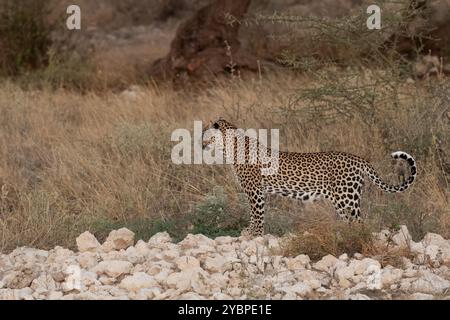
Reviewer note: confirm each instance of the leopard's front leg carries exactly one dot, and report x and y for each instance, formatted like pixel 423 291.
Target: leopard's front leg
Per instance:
pixel 256 227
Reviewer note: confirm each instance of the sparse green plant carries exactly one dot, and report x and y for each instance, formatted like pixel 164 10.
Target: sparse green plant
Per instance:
pixel 24 35
pixel 319 237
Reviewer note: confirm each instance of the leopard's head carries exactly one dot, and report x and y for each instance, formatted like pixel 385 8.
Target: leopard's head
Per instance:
pixel 211 131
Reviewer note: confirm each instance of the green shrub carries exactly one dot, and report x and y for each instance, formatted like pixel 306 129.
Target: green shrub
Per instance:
pixel 214 216
pixel 24 35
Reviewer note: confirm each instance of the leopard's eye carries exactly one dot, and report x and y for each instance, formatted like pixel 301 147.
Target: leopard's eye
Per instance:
pixel 216 125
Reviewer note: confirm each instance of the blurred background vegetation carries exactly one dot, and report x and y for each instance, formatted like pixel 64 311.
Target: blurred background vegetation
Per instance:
pixel 85 120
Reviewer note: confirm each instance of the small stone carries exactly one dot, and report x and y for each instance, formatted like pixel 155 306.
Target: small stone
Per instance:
pixel 160 238
pixel 358 296
pixel 107 281
pixel 430 283
pixel 134 256
pixel 120 239
pixel 360 266
pixel 299 262
pixel 194 241
pixel 437 240
pixel 224 240
pixel 87 242
pixel 23 294
pixel 421 296
pixel 300 289
pixel 44 281
pixel 221 296
pixel 88 260
pixel 358 256
pixel 191 296
pixel 326 264
pixel 216 264
pixel 137 282
pixel 289 296
pixel 187 262
pixel 19 279
pixel 343 257
pixel 171 255
pixel 55 295
pixel 113 268
pixel 402 238
pixel 390 276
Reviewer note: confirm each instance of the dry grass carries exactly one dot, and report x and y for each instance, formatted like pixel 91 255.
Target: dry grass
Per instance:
pixel 72 162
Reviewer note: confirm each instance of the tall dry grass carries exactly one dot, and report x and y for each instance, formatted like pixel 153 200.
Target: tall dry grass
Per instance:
pixel 72 162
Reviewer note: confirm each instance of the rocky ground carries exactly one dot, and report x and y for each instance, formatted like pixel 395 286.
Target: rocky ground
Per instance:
pixel 223 268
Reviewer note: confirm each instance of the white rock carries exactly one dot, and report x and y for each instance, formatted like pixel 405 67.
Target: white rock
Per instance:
pixel 187 262
pixel 402 238
pixel 88 260
pixel 7 294
pixel 171 255
pixel 373 277
pixel 224 240
pixel 216 264
pixel 162 276
pixel 192 241
pixel 219 279
pixel 343 257
pixel 273 244
pixel 137 282
pixel 187 280
pixel 44 281
pixel 360 266
pixel 134 255
pixel 390 276
pixel 191 296
pixel 55 295
pixel 142 247
pixel 160 238
pixel 312 278
pixel 221 296
pixel 19 279
pixel 112 254
pixel 23 294
pixel 358 296
pixel 290 296
pixel 417 247
pixel 113 268
pixel 382 238
pixel 87 242
pixel 107 280
pixel 299 262
pixel 430 283
pixel 437 240
pixel 89 278
pixel 421 296
pixel 120 239
pixel 301 289
pixel 343 275
pixel 358 256
pixel 326 264
pixel 433 253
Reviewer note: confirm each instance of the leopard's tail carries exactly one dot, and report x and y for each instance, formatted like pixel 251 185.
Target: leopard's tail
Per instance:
pixel 370 171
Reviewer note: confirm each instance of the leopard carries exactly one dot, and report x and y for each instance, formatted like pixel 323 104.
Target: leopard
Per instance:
pixel 334 176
